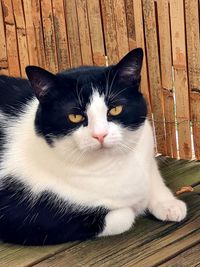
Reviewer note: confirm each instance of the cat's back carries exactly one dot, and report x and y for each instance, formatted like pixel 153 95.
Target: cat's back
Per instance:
pixel 14 93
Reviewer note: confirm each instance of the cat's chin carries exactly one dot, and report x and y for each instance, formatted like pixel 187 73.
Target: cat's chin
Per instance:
pixel 102 150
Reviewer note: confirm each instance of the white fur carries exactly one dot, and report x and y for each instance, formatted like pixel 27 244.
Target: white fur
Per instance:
pixel 121 175
pixel 118 221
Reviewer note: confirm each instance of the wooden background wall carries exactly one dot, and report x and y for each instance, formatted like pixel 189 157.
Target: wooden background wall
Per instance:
pixel 58 34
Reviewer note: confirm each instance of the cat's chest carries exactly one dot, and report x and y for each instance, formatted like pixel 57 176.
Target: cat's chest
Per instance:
pixel 118 185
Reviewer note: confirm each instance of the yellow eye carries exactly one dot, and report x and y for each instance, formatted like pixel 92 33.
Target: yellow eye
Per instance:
pixel 75 118
pixel 115 111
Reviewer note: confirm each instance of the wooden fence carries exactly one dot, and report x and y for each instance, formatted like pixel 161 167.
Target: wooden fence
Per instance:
pixel 58 34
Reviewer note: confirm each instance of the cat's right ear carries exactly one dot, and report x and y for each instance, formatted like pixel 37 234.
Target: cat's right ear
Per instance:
pixel 41 81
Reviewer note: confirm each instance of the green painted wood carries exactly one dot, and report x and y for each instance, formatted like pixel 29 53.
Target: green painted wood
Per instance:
pixel 149 243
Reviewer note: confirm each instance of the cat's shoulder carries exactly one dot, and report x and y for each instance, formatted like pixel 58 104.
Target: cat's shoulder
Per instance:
pixel 14 93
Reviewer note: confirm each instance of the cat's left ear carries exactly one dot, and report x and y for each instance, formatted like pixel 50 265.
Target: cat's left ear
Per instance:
pixel 42 81
pixel 129 68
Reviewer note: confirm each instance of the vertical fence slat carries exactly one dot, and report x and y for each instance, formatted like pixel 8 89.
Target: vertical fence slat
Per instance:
pixel 166 75
pixel 121 27
pixel 154 74
pixel 61 35
pixel 73 33
pixel 11 39
pixel 180 78
pixel 110 31
pixel 21 35
pixel 49 35
pixel 130 15
pixel 3 54
pixel 37 25
pixel 84 34
pixel 193 52
pixel 140 42
pixel 32 49
pixel 96 32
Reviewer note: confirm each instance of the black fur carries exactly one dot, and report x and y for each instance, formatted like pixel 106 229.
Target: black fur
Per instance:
pixel 44 220
pixel 47 219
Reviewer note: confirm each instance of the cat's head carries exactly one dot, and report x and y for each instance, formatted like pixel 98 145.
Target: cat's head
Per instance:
pixel 90 108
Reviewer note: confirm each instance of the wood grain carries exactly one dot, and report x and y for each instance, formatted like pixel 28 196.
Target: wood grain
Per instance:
pixel 121 27
pixel 166 75
pixel 49 36
pixel 140 42
pixel 73 33
pixel 180 78
pixel 3 54
pixel 96 32
pixel 193 56
pixel 131 23
pixel 110 31
pixel 30 33
pixel 11 38
pixel 188 258
pixel 37 26
pixel 84 33
pixel 21 35
pixel 61 39
pixel 154 74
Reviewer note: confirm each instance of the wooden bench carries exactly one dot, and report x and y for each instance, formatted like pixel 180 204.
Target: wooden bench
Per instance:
pixel 149 243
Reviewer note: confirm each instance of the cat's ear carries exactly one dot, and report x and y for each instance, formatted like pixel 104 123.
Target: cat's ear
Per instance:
pixel 129 68
pixel 41 81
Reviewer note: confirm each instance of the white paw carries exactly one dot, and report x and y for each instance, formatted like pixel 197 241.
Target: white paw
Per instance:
pixel 170 210
pixel 118 221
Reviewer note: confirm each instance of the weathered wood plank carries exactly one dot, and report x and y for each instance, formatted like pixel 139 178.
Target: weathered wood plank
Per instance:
pixel 166 76
pixel 37 25
pixel 73 33
pixel 193 56
pixel 61 35
pixel 30 33
pixel 121 27
pixel 154 74
pixel 21 35
pixel 12 256
pixel 11 40
pixel 84 33
pixel 140 42
pixel 188 258
pixel 96 32
pixel 131 26
pixel 180 78
pixel 49 36
pixel 110 32
pixel 3 54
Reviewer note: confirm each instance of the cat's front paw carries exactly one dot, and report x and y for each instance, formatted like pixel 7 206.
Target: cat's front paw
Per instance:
pixel 170 210
pixel 118 221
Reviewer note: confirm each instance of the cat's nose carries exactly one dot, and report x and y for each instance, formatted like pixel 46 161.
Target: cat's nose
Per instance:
pixel 100 136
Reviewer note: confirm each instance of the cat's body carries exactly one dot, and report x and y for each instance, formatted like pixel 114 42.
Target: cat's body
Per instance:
pixel 62 181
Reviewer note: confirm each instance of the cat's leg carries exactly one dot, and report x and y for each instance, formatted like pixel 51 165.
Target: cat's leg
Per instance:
pixel 118 221
pixel 163 205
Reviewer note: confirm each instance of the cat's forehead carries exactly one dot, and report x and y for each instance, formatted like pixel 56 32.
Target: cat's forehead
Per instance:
pixel 97 103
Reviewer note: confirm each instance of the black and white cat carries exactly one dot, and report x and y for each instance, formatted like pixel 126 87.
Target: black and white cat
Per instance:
pixel 77 157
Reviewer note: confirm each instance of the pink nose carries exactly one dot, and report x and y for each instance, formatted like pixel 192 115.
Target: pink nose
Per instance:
pixel 100 137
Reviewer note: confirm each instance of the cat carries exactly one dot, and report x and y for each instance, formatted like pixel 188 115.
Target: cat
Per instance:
pixel 77 155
